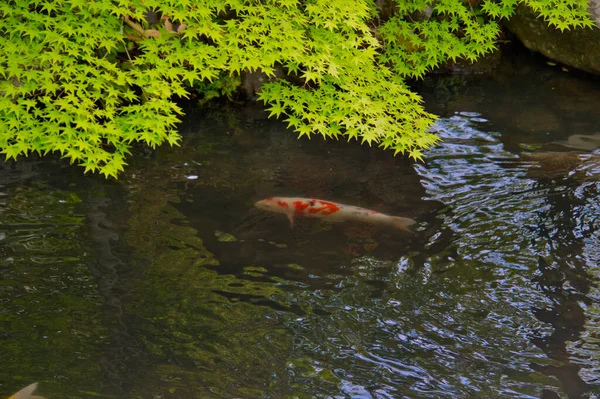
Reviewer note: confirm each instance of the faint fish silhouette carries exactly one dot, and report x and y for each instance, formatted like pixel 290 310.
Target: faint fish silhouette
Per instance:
pixel 26 393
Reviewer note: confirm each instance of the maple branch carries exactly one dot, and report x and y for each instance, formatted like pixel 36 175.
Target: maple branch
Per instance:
pixel 146 33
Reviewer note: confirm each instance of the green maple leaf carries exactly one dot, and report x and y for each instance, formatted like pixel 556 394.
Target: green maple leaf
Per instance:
pixel 304 130
pixel 276 110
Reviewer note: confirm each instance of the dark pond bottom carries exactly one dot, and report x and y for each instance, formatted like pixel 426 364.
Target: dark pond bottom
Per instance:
pixel 170 284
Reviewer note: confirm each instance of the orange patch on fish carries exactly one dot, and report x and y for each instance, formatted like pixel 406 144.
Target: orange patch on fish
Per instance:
pixel 327 208
pixel 300 206
pixel 283 204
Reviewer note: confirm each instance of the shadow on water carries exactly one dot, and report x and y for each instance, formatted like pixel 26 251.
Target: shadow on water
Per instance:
pixel 169 283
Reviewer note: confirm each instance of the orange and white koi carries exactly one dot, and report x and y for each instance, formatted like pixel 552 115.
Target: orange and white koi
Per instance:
pixel 26 393
pixel 330 211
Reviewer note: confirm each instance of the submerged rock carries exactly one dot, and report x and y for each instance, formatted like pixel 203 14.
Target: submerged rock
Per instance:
pixel 578 47
pixel 582 142
pixel 553 164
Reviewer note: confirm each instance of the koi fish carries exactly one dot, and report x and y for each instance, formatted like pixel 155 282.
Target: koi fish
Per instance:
pixel 330 211
pixel 26 393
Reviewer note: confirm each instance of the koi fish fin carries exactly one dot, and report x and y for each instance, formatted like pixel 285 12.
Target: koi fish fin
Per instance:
pixel 26 392
pixel 403 223
pixel 291 218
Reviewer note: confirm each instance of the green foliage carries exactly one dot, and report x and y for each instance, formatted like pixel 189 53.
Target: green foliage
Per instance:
pixel 458 30
pixel 222 86
pixel 89 79
pixel 347 92
pixel 62 93
pixel 562 14
pixel 415 47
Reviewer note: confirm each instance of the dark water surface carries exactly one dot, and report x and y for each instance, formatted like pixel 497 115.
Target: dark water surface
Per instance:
pixel 170 284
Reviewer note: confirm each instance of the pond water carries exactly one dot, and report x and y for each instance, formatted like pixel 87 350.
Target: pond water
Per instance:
pixel 169 283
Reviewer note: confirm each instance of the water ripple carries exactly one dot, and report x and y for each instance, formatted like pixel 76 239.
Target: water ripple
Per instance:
pixel 510 222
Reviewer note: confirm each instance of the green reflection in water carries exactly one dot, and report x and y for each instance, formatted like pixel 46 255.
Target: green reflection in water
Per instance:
pixel 201 339
pixel 49 306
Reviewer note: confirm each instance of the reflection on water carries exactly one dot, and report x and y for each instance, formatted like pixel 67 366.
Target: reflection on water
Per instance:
pixel 509 217
pixel 170 284
pixel 50 327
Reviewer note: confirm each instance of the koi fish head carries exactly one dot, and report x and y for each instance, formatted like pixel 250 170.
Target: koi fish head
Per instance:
pixel 265 204
pixel 273 204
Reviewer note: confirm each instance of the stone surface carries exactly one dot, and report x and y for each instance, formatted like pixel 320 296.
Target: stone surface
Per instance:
pixel 578 48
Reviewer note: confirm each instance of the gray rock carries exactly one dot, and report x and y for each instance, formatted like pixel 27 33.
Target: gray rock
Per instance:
pixel 578 48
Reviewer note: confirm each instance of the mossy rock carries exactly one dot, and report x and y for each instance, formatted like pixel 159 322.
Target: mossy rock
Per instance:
pixel 578 48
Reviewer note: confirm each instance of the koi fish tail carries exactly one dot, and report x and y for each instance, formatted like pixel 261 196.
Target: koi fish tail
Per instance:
pixel 402 223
